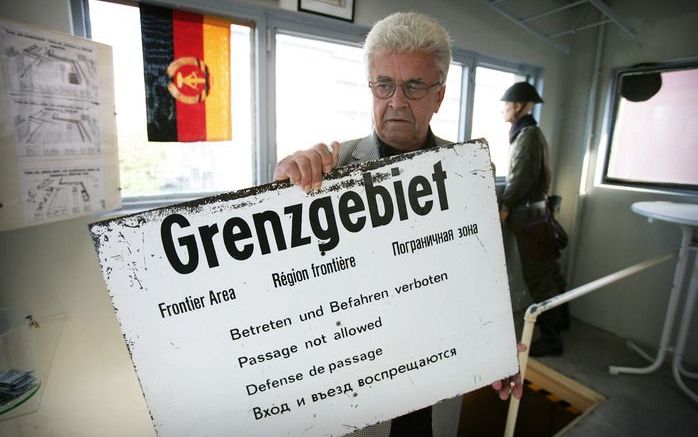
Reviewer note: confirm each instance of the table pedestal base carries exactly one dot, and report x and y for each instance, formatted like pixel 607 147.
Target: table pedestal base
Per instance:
pixel 687 245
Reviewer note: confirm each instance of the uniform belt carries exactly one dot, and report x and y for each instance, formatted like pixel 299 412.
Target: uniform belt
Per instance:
pixel 532 205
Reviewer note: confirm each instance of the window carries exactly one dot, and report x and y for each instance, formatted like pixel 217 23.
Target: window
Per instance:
pixel 330 104
pixel 490 85
pixel 445 123
pixel 157 169
pixel 654 127
pixel 315 72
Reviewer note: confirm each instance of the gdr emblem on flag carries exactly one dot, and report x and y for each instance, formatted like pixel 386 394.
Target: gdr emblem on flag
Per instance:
pixel 186 65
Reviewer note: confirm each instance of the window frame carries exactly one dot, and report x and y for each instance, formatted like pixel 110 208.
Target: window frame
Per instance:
pixel 610 124
pixel 305 26
pixel 472 60
pixel 267 23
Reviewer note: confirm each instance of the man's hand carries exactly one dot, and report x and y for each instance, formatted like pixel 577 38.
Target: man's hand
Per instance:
pixel 512 385
pixel 306 167
pixel 503 213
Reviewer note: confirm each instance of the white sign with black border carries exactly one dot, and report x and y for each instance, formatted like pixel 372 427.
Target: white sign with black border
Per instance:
pixel 269 311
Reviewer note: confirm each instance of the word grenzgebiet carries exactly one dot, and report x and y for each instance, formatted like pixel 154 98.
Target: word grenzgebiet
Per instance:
pixel 237 233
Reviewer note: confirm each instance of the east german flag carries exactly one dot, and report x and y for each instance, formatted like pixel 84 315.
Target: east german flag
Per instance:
pixel 186 62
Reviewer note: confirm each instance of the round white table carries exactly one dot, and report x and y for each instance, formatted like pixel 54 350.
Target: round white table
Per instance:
pixel 685 215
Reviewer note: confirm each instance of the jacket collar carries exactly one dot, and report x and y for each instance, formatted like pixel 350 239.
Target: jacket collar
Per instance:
pixel 519 125
pixel 367 148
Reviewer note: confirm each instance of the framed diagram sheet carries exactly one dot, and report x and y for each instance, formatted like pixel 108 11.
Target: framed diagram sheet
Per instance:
pixel 57 132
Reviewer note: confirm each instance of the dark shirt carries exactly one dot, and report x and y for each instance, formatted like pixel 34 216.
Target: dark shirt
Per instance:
pixel 416 423
pixel 385 150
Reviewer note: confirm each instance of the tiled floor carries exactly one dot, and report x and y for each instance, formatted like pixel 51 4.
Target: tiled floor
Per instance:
pixel 636 405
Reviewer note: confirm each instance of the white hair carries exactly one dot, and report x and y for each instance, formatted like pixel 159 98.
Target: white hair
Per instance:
pixel 404 32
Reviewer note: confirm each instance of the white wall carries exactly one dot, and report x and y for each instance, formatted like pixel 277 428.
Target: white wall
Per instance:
pixel 611 237
pixel 92 389
pixel 51 14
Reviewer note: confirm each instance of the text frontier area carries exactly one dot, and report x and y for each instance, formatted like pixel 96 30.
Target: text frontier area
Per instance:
pixel 237 233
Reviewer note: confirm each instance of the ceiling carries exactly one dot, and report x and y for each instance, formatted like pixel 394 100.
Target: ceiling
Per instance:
pixel 552 20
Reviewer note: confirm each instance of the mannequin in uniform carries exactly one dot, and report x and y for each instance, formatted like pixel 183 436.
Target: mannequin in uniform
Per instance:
pixel 523 208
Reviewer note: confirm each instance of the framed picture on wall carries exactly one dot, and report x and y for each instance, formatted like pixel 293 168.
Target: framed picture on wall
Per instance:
pixel 342 9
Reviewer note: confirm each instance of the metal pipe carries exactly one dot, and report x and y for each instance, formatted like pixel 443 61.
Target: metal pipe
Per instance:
pixel 553 11
pixel 564 49
pixel 536 309
pixel 588 142
pixel 533 311
pixel 689 305
pixel 601 6
pixel 577 29
pixel 526 336
pixel 672 306
pixel 584 18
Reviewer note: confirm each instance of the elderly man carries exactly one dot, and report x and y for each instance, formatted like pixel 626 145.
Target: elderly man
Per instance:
pixel 407 56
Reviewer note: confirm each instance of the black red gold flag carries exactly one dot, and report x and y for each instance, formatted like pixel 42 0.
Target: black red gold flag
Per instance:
pixel 186 63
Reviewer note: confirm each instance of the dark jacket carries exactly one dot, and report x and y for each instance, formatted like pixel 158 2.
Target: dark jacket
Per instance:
pixel 366 149
pixel 417 422
pixel 529 173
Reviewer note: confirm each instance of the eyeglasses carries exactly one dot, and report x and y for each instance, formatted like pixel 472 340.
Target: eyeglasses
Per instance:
pixel 412 89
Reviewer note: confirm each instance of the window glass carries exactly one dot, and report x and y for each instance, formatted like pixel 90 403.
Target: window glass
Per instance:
pixel 445 123
pixel 488 121
pixel 162 168
pixel 332 101
pixel 655 141
pixel 321 93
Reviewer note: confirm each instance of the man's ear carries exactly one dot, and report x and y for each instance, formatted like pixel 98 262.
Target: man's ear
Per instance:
pixel 440 97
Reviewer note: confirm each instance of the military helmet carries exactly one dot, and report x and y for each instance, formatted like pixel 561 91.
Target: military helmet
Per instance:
pixel 521 92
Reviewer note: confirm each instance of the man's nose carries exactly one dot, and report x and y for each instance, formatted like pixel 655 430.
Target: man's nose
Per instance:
pixel 399 100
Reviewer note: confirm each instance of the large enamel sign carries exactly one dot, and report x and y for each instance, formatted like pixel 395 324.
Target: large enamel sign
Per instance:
pixel 270 311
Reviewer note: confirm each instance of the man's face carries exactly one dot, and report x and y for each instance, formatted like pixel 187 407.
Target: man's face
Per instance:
pixel 400 122
pixel 509 112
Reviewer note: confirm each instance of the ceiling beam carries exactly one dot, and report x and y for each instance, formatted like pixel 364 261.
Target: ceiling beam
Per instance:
pixel 553 11
pixel 608 16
